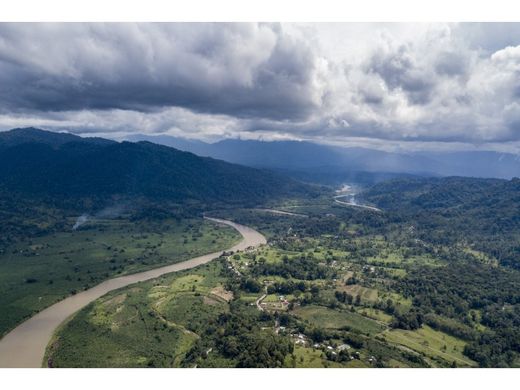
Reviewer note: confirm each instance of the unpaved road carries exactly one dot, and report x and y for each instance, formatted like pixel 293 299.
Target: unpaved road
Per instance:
pixel 280 212
pixel 259 302
pixel 25 345
pixel 363 206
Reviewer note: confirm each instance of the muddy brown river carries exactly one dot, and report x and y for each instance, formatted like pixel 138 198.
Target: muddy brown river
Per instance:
pixel 25 345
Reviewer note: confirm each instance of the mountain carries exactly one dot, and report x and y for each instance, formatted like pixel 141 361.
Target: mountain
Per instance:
pixel 332 164
pixel 278 154
pixel 38 162
pixel 187 145
pixel 486 164
pixel 32 135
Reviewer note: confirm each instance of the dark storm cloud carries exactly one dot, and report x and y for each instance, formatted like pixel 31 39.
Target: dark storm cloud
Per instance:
pixel 399 70
pixel 240 70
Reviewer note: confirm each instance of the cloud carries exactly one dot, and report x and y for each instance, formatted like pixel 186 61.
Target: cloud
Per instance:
pixel 400 70
pixel 435 84
pixel 243 70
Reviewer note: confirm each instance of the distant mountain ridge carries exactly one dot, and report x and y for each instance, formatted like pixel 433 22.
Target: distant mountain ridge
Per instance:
pixel 25 135
pixel 38 162
pixel 310 160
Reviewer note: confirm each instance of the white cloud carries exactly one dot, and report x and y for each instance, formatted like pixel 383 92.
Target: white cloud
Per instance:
pixel 412 84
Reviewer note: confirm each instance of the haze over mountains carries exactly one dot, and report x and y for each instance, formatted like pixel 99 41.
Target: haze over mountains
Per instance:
pixel 38 162
pixel 332 164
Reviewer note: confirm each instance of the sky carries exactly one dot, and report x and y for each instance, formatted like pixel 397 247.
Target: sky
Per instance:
pixel 388 86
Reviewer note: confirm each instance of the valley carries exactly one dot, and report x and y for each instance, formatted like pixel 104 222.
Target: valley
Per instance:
pixel 323 204
pixel 328 290
pixel 141 266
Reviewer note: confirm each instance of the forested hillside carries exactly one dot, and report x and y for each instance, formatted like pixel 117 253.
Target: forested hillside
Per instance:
pixel 483 214
pixel 46 178
pixel 42 163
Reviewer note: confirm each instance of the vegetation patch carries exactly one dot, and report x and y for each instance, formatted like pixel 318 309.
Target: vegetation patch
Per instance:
pixel 432 343
pixel 44 270
pixel 332 319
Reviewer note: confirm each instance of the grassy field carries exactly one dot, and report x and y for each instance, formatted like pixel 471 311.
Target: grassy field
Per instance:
pixel 431 343
pixel 399 272
pixel 390 258
pixel 334 319
pixel 367 295
pixel 305 358
pixel 117 332
pixel 376 314
pixel 272 255
pixel 150 324
pixel 398 299
pixel 37 273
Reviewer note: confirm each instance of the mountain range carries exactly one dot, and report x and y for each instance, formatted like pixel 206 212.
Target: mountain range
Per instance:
pixel 333 164
pixel 38 162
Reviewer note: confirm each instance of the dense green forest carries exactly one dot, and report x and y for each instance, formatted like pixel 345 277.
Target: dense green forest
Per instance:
pixel 483 214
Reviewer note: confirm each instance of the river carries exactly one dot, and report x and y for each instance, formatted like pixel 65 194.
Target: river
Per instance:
pixel 25 345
